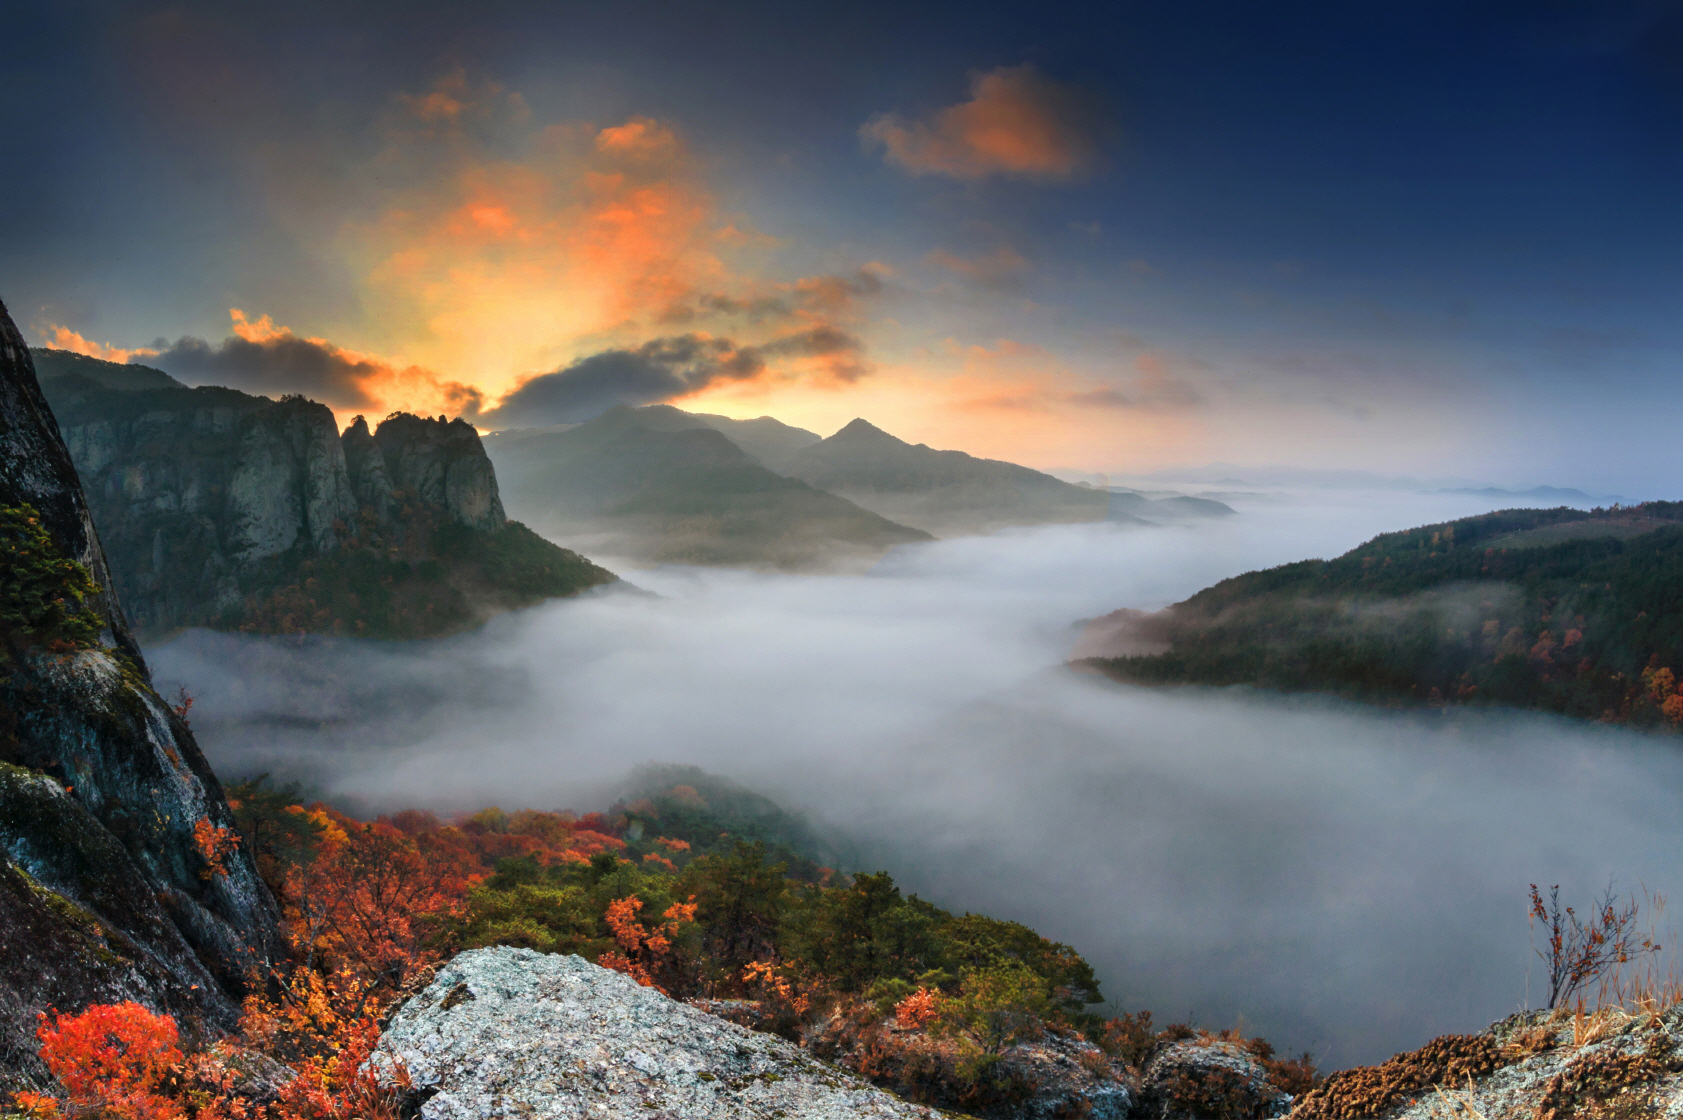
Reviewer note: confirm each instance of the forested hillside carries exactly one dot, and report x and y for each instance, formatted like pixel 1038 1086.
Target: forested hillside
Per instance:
pixel 1556 610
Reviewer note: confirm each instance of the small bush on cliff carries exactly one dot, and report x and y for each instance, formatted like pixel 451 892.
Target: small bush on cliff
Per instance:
pixel 112 1060
pixel 43 595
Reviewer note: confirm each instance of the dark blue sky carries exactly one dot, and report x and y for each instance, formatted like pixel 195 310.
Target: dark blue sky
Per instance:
pixel 1425 238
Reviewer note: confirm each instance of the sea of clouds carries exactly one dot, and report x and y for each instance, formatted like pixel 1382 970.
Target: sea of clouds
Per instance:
pixel 1342 878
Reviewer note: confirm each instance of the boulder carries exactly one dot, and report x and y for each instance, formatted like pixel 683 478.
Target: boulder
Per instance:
pixel 1207 1079
pixel 512 1032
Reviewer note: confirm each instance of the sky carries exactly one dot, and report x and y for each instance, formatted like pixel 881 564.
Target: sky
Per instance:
pixel 1433 239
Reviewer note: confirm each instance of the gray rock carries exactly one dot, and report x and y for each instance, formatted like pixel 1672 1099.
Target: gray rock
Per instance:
pixel 208 496
pixel 443 463
pixel 512 1032
pixel 367 466
pixel 1204 1078
pixel 104 895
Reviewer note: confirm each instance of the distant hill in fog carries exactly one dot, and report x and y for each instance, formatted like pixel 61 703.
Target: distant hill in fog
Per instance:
pixel 950 493
pixel 1553 609
pixel 660 485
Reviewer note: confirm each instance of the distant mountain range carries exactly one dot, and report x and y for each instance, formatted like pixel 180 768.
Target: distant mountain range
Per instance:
pixel 658 485
pixel 222 509
pixel 950 493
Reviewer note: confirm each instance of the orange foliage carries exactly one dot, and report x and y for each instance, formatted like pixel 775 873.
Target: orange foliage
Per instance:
pixel 673 845
pixel 642 952
pixel 916 1010
pixel 215 844
pixel 1664 692
pixel 110 1058
pixel 760 979
pixel 367 900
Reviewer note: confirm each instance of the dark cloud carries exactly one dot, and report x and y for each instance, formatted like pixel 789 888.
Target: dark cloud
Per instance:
pixel 272 361
pixel 814 296
pixel 662 369
pixel 274 366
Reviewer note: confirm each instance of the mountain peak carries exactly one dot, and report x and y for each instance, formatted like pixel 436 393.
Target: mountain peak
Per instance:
pixel 860 428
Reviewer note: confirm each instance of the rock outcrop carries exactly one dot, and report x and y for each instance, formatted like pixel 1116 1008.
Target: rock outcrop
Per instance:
pixel 1611 1065
pixel 217 507
pixel 442 463
pixel 106 888
pixel 1205 1077
pixel 512 1032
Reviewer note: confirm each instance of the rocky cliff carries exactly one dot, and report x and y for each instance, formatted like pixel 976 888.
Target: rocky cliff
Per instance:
pixel 224 509
pixel 116 878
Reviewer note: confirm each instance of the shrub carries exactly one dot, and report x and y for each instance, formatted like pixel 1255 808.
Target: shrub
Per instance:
pixel 111 1059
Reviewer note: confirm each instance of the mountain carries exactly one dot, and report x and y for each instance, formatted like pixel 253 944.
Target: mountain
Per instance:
pixel 772 443
pixel 234 511
pixel 1552 609
pixel 1565 496
pixel 950 493
pixel 117 881
pixel 658 485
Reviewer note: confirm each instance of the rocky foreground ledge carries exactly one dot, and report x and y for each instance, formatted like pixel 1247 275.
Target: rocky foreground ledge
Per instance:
pixel 512 1032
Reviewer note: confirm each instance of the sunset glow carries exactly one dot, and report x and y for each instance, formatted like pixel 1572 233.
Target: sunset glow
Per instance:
pixel 1121 252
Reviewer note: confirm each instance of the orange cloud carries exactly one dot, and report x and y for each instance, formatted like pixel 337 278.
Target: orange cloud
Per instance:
pixel 1021 377
pixel 488 263
pixel 1017 122
pixel 63 338
pixel 261 357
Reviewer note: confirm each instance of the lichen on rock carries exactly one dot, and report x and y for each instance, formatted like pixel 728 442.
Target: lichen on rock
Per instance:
pixel 507 1031
pixel 101 789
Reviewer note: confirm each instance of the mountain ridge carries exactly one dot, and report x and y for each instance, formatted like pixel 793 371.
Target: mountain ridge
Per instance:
pixel 235 511
pixel 661 486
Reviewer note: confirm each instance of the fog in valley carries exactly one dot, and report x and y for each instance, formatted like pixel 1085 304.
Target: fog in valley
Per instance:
pixel 1344 878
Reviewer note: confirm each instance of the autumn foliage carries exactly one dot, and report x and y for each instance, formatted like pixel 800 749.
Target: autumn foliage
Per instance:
pixel 659 889
pixel 111 1058
pixel 643 951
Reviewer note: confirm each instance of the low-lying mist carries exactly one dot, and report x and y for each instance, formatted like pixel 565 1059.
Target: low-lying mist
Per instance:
pixel 1343 878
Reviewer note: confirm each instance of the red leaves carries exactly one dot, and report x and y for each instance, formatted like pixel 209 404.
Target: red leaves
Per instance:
pixel 367 900
pixel 112 1058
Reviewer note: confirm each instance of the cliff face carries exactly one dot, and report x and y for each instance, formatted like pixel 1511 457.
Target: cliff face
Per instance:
pixel 443 464
pixel 210 499
pixel 105 892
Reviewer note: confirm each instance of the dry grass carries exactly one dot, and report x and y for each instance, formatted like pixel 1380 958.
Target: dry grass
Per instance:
pixel 1651 984
pixel 1454 1104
